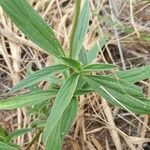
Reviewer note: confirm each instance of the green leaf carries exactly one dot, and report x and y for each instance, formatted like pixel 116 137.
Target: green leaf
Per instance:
pixel 39 109
pixel 95 67
pixel 34 87
pixel 38 123
pixel 62 101
pixel 72 63
pixel 54 80
pixel 135 110
pixel 17 133
pixel 55 142
pixel 62 128
pixel 122 95
pixel 41 75
pixel 32 25
pixel 81 83
pixel 82 28
pixel 68 117
pixel 93 52
pixel 133 75
pixel 118 85
pixel 83 56
pixel 3 135
pixel 128 102
pixel 5 146
pixel 26 99
pixel 65 74
pixel 82 92
pixel 82 87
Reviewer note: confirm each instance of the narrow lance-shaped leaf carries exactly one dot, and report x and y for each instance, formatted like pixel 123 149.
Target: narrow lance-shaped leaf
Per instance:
pixel 86 57
pixel 83 56
pixel 81 83
pixel 55 142
pixel 62 128
pixel 93 52
pixel 38 123
pixel 32 25
pixel 130 103
pixel 98 67
pixel 133 75
pixel 81 31
pixel 82 87
pixel 126 98
pixel 68 117
pixel 17 133
pixel 63 99
pixel 96 87
pixel 118 85
pixel 38 76
pixel 83 92
pixel 26 99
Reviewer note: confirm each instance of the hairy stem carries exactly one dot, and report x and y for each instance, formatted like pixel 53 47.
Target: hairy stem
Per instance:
pixel 75 23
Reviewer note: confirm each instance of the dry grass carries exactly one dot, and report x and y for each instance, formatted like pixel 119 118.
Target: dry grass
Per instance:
pixel 98 125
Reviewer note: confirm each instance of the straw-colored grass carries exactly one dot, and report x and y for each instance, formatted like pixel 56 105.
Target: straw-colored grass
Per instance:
pixel 98 124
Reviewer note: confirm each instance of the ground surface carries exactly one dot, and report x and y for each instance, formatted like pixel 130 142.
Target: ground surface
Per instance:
pixel 98 125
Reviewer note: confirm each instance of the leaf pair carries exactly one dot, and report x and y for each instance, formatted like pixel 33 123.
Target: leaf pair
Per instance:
pixel 120 93
pixel 52 131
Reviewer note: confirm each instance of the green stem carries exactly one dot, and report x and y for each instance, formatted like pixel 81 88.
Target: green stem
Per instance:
pixel 75 23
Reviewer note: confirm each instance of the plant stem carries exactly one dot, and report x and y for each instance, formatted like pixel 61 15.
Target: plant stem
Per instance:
pixel 75 23
pixel 33 140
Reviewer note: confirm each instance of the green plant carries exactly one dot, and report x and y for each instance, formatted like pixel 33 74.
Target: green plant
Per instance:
pixel 55 121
